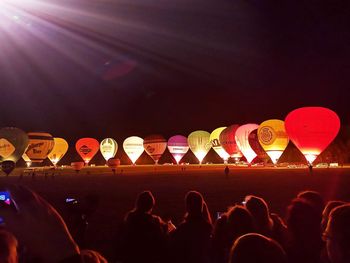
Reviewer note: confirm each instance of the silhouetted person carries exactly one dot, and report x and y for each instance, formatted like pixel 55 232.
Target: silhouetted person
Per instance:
pixel 303 222
pixel 191 241
pixel 227 170
pixel 256 248
pixel 8 247
pixel 231 225
pixel 314 198
pixel 144 236
pixel 266 224
pixel 327 210
pixel 337 235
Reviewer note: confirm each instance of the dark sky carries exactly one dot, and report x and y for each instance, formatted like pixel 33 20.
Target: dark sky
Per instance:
pixel 121 68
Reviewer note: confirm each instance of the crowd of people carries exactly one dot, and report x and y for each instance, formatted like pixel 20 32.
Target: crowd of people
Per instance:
pixel 312 232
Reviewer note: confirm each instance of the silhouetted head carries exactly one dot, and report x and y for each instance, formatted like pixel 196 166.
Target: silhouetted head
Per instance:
pixel 260 212
pixel 8 247
pixel 327 210
pixel 194 203
pixel 92 256
pixel 252 248
pixel 145 202
pixel 239 222
pixel 314 198
pixel 337 234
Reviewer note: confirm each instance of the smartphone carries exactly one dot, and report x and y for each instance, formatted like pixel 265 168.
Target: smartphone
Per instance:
pixel 219 214
pixel 70 200
pixel 5 197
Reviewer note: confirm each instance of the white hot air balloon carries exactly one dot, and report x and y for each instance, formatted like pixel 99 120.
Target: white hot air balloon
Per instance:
pixel 133 147
pixel 242 139
pixel 108 148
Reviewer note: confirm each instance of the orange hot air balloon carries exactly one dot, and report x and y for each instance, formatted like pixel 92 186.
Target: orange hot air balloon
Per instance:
pixel 87 148
pixel 312 129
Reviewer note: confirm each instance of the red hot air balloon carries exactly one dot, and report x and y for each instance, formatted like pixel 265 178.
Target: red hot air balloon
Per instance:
pixel 228 142
pixel 312 129
pixel 87 148
pixel 155 146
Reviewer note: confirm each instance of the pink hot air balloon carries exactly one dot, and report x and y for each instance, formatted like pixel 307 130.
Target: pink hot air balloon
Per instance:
pixel 178 147
pixel 312 129
pixel 155 146
pixel 242 139
pixel 87 148
pixel 228 141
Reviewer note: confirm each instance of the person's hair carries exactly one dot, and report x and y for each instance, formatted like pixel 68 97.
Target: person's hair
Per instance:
pixel 196 206
pixel 254 247
pixel 327 210
pixel 145 201
pixel 260 212
pixel 92 256
pixel 338 229
pixel 314 198
pixel 8 246
pixel 239 221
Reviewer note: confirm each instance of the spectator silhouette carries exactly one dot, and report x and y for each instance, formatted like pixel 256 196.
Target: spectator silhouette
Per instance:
pixel 8 247
pixel 270 225
pixel 191 241
pixel 144 235
pixel 314 198
pixel 256 248
pixel 337 235
pixel 303 222
pixel 327 210
pixel 236 222
pixel 91 256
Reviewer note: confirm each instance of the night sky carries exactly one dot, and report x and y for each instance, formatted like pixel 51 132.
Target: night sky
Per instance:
pixel 121 68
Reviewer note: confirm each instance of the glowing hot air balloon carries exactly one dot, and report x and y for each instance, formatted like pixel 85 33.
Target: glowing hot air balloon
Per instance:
pixel 228 142
pixel 273 138
pixel 87 148
pixel 59 150
pixel 178 147
pixel 215 143
pixel 242 139
pixel 108 148
pixel 312 129
pixel 40 145
pixel 13 143
pixel 155 146
pixel 256 146
pixel 199 143
pixel 133 147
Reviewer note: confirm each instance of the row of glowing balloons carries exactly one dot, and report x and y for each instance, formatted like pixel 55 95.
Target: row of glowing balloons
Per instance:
pixel 311 129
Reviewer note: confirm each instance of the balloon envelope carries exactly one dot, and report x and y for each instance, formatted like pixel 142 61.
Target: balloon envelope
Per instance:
pixel 256 146
pixel 215 143
pixel 113 163
pixel 178 147
pixel 228 141
pixel 273 138
pixel 242 139
pixel 199 143
pixel 77 166
pixel 40 145
pixel 133 147
pixel 155 146
pixel 87 148
pixel 8 166
pixel 60 148
pixel 13 143
pixel 108 148
pixel 312 129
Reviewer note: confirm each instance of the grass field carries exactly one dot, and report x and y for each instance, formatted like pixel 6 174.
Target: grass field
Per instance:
pixel 169 184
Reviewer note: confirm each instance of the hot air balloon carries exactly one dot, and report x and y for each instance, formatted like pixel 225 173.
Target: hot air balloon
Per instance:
pixel 87 148
pixel 256 146
pixel 133 147
pixel 40 145
pixel 242 139
pixel 113 163
pixel 27 160
pixel 13 143
pixel 8 166
pixel 215 143
pixel 155 146
pixel 59 150
pixel 77 166
pixel 312 129
pixel 228 142
pixel 178 147
pixel 108 148
pixel 273 138
pixel 199 143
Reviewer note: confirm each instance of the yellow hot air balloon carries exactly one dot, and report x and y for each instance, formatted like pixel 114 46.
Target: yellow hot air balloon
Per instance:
pixel 273 138
pixel 199 143
pixel 59 150
pixel 215 143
